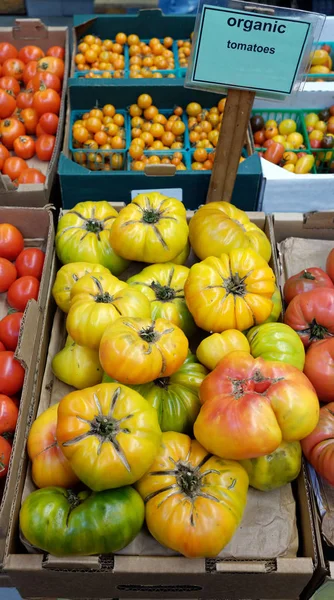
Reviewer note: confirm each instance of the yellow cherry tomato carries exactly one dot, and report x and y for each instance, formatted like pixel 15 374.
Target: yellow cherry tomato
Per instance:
pixel 290 157
pixel 289 167
pixel 287 126
pixel 295 139
pixel 321 126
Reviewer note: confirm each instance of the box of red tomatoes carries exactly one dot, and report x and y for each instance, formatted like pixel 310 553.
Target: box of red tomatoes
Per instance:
pixel 34 62
pixel 305 258
pixel 26 255
pixel 272 555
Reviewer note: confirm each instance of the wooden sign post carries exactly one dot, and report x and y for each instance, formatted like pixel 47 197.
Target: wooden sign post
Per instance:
pixel 245 49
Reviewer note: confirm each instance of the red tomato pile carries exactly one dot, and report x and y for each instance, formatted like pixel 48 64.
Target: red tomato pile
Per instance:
pixel 30 89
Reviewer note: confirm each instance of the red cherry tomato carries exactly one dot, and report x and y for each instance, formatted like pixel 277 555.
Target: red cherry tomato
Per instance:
pixel 44 146
pixel 5 452
pixel 8 414
pixel 30 71
pixel 10 329
pixel 13 67
pixel 7 103
pixel 8 274
pixel 31 176
pixel 28 53
pixel 10 84
pixel 11 374
pixel 49 123
pixel 7 50
pixel 11 241
pixel 30 262
pixel 14 166
pixel 4 154
pixel 56 51
pixel 21 291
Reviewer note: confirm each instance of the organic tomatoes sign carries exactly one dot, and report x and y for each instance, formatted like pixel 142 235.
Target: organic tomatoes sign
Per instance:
pixel 250 49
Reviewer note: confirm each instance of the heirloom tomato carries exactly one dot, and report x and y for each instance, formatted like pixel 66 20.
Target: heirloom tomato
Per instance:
pixel 82 523
pixel 182 258
pixel 77 366
pixel 67 276
pixel 152 228
pixel 230 292
pixel 277 307
pixel 213 348
pixel 49 465
pixel 109 433
pixel 274 470
pixel 251 405
pixel 318 447
pixel 164 287
pixel 140 350
pixel 175 398
pixel 83 234
pixel 5 452
pixel 311 314
pixel 194 501
pixel 277 341
pixel 8 414
pixel 330 265
pixel 305 281
pixel 96 301
pixel 219 227
pixel 319 368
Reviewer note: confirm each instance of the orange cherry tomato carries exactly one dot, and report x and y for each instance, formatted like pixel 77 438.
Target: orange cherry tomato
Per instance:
pixel 24 146
pixel 270 132
pixel 28 53
pixel 14 166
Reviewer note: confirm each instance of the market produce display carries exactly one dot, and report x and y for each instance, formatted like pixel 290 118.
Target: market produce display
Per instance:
pixel 321 63
pixel 30 98
pixel 141 396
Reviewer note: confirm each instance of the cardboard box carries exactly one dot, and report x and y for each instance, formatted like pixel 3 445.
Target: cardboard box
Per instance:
pixel 38 575
pixel 299 254
pixel 36 226
pixel 33 31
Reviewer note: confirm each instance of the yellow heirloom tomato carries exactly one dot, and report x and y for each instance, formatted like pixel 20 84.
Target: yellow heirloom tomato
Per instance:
pixel 98 300
pixel 164 287
pixel 194 501
pixel 137 351
pixel 67 276
pixel 77 365
pixel 213 348
pixel 109 434
pixel 230 292
pixel 84 234
pixel 219 227
pixel 152 228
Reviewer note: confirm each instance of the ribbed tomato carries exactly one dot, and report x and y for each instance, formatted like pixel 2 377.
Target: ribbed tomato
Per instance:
pixel 311 314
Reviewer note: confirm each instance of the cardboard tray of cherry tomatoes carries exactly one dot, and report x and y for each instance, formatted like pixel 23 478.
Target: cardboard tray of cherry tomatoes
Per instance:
pixel 36 227
pixel 34 32
pixel 146 566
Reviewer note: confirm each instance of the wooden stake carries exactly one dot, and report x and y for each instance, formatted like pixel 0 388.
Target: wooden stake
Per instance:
pixel 230 143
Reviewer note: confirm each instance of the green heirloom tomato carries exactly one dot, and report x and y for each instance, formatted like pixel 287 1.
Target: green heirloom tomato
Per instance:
pixel 83 235
pixel 277 341
pixel 277 307
pixel 62 522
pixel 273 470
pixel 176 397
pixel 163 285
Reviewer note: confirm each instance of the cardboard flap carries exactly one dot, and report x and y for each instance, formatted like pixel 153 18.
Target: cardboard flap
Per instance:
pixel 298 565
pixel 5 184
pixel 158 564
pixel 247 566
pixel 27 336
pixel 29 29
pixel 24 562
pixel 160 170
pixel 319 220
pixel 72 562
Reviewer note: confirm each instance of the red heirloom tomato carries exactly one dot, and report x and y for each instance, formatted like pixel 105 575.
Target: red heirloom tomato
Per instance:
pixel 22 290
pixel 319 368
pixel 7 50
pixel 7 103
pixel 311 314
pixel 8 274
pixel 31 176
pixel 10 329
pixel 11 241
pixel 28 53
pixel 5 452
pixel 11 374
pixel 305 281
pixel 8 414
pixel 318 447
pixel 251 405
pixel 330 265
pixel 30 262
